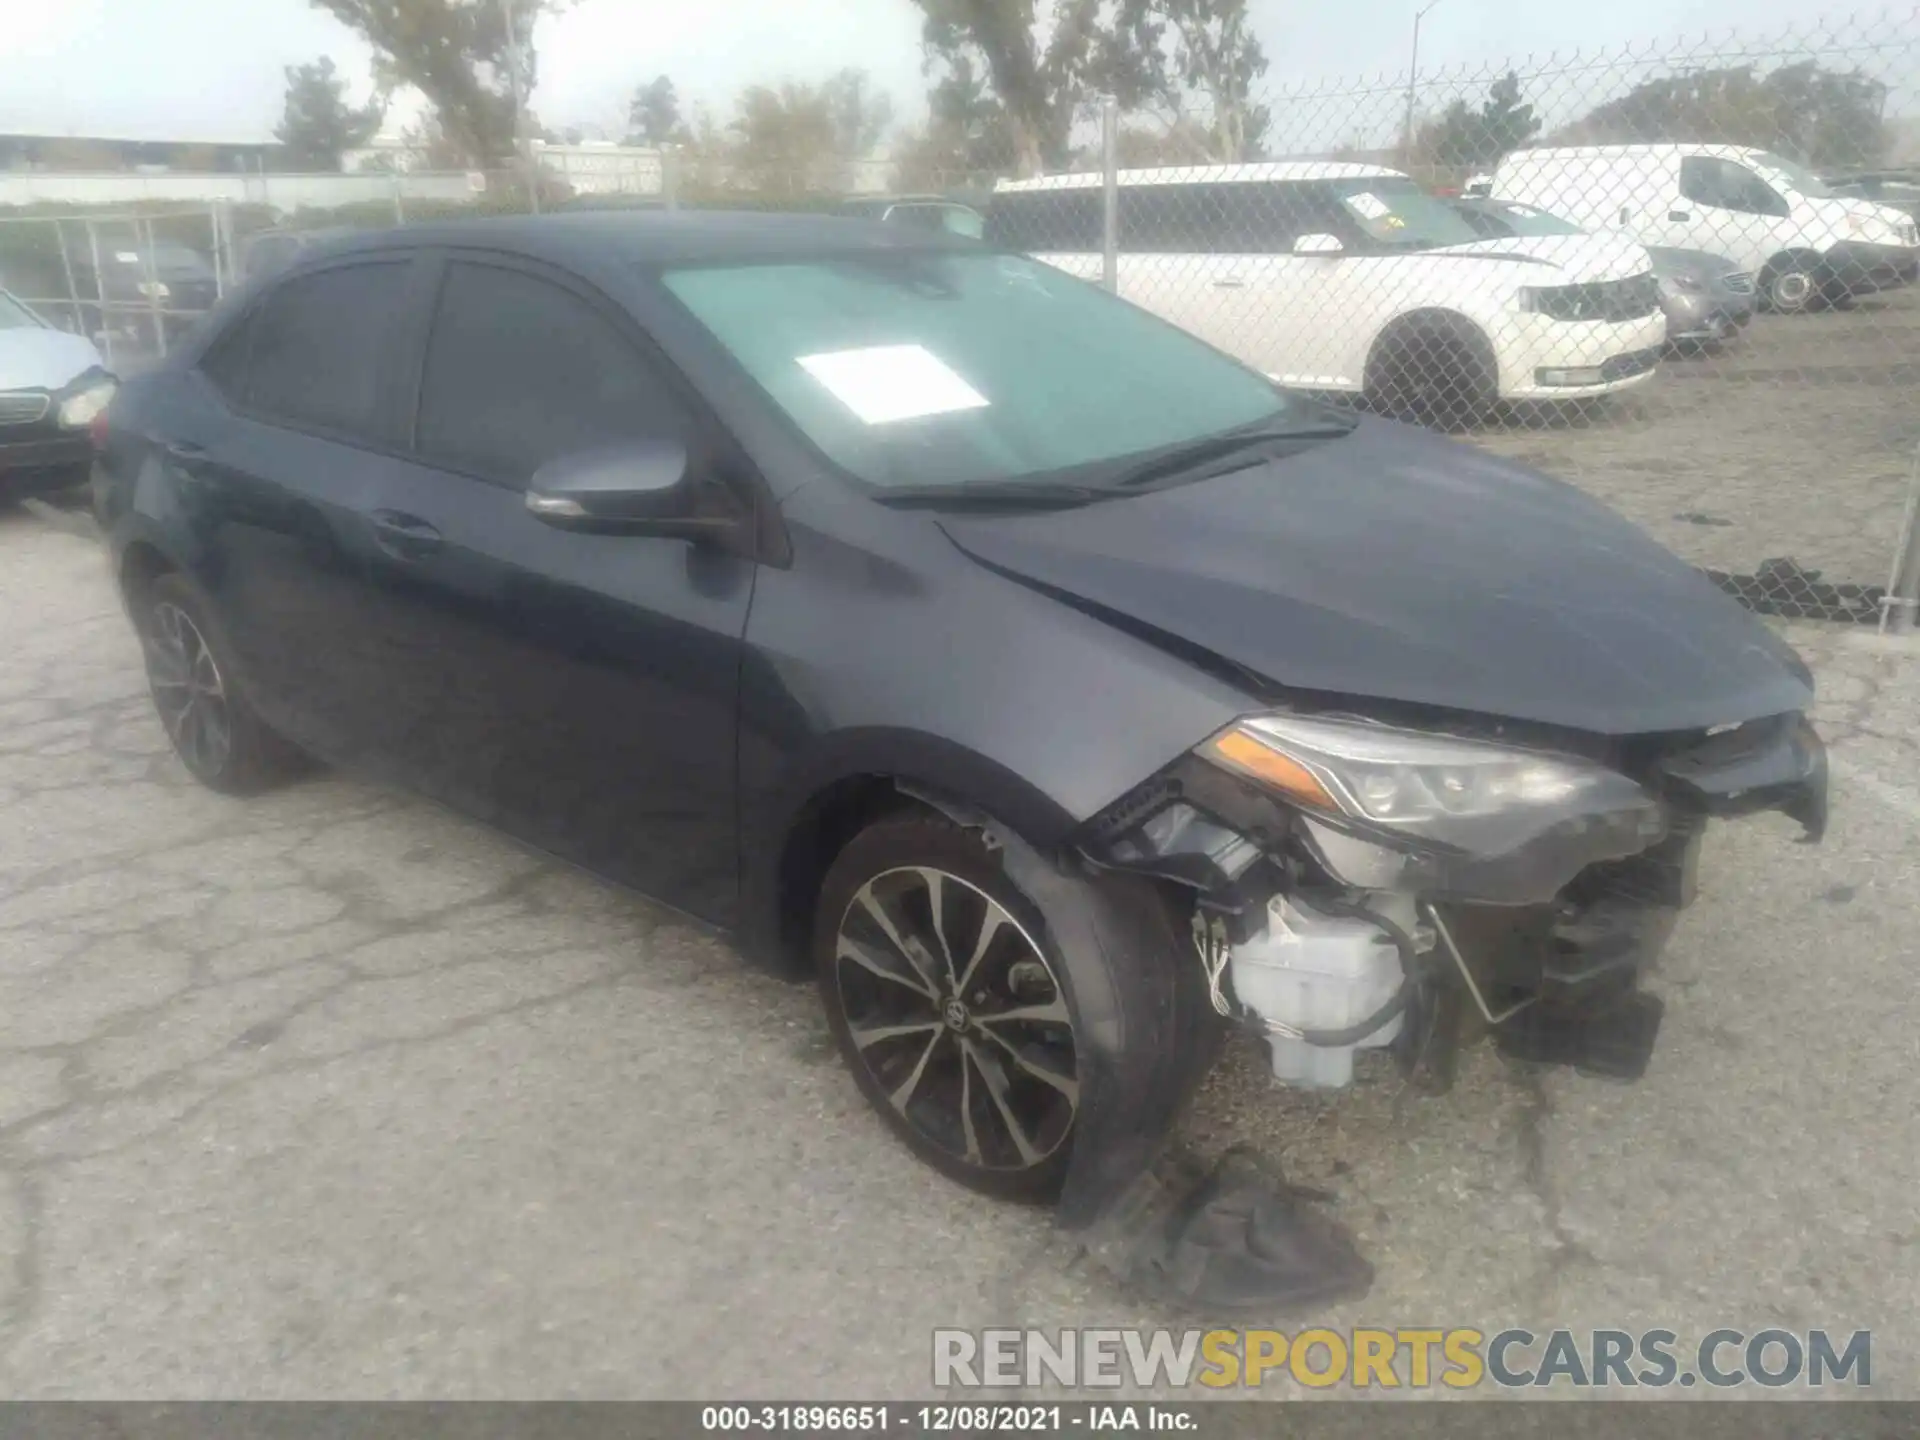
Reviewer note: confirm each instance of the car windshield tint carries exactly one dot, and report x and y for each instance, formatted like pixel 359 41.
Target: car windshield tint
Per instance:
pixel 925 368
pixel 1785 174
pixel 1525 220
pixel 1400 215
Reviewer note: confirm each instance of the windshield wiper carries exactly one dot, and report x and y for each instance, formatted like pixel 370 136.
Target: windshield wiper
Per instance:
pixel 994 495
pixel 1186 461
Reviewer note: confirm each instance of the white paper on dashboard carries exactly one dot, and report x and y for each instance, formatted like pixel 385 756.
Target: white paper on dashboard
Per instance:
pixel 884 383
pixel 1369 205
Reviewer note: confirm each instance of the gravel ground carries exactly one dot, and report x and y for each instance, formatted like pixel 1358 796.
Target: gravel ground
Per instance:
pixel 1800 438
pixel 331 1094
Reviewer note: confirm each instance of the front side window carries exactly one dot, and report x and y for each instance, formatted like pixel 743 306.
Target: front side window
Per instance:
pixel 521 371
pixel 317 342
pixel 935 368
pixel 1046 221
pixel 1726 185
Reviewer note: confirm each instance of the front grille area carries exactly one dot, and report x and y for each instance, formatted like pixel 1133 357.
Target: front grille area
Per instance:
pixel 23 407
pixel 1738 283
pixel 1634 298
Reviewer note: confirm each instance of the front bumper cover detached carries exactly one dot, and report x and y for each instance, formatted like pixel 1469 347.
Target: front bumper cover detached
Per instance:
pixel 1555 983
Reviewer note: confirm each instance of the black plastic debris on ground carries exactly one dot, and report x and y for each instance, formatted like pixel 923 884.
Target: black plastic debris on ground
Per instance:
pixel 1781 587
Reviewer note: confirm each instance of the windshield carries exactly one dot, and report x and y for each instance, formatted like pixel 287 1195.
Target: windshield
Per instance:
pixel 1784 174
pixel 15 316
pixel 1525 220
pixel 1400 215
pixel 916 368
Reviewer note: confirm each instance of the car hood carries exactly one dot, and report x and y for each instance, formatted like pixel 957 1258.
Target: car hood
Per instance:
pixel 1395 565
pixel 32 358
pixel 1582 257
pixel 1702 264
pixel 1837 209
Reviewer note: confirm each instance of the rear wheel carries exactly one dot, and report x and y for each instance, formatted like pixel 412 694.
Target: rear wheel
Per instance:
pixel 1438 372
pixel 212 727
pixel 950 1005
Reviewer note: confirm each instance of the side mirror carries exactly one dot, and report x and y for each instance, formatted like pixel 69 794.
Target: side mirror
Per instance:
pixel 641 487
pixel 1318 245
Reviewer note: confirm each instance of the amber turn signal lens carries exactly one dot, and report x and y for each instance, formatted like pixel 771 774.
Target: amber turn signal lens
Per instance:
pixel 1240 751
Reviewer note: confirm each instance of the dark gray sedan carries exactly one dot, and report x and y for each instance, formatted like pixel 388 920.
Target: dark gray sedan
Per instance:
pixel 1706 297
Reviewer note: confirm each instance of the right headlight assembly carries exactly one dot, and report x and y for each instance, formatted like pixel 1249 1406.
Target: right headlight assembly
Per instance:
pixel 1405 809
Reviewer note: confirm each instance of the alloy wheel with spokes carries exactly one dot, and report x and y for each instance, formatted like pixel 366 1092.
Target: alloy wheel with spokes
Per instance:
pixel 956 1023
pixel 188 691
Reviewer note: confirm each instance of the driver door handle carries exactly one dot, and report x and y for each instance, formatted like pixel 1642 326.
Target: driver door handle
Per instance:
pixel 1229 282
pixel 404 536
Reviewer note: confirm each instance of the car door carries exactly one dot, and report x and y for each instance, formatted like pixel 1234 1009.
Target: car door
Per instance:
pixel 1725 209
pixel 578 690
pixel 287 423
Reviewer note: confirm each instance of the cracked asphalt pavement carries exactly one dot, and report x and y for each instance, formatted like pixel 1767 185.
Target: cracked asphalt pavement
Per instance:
pixel 332 1094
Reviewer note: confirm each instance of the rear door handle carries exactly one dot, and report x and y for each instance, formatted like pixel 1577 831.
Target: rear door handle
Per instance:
pixel 1230 282
pixel 404 536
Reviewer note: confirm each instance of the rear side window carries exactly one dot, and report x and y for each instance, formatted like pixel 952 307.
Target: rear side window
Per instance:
pixel 521 371
pixel 1046 220
pixel 316 346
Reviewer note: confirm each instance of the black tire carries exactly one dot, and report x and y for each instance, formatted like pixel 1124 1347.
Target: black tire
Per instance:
pixel 1790 284
pixel 191 675
pixel 974 1106
pixel 1439 372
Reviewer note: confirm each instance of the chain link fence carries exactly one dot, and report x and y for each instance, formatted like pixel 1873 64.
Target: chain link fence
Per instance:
pixel 1679 277
pixel 1683 281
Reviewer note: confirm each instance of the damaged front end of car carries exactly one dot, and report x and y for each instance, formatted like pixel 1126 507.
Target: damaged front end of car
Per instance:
pixel 1407 883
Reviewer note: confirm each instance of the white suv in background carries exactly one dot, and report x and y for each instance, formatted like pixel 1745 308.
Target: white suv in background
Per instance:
pixel 1770 216
pixel 1352 278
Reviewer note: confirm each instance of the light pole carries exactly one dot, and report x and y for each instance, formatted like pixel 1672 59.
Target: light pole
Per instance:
pixel 523 148
pixel 1413 73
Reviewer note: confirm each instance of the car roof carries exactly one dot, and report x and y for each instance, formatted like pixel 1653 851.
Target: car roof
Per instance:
pixel 1665 147
pixel 650 237
pixel 1266 170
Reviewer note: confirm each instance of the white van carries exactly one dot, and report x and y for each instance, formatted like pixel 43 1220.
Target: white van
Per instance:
pixel 1770 216
pixel 1352 278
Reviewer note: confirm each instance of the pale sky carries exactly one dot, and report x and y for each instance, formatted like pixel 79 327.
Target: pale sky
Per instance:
pixel 212 69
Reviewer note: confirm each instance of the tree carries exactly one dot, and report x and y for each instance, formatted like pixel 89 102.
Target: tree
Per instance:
pixel 1214 55
pixel 653 116
pixel 1820 116
pixel 454 52
pixel 801 139
pixel 1039 84
pixel 1461 137
pixel 318 125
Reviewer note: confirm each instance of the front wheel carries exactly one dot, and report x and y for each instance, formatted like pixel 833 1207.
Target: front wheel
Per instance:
pixel 1439 373
pixel 950 1006
pixel 1789 285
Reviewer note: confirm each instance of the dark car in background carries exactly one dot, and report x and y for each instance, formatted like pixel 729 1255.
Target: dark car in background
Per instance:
pixel 1705 297
pixel 1053 687
pixel 138 280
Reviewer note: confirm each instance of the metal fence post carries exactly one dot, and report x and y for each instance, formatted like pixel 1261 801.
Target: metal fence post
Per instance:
pixel 73 286
pixel 670 175
pixel 1897 609
pixel 100 291
pixel 143 236
pixel 399 206
pixel 1110 194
